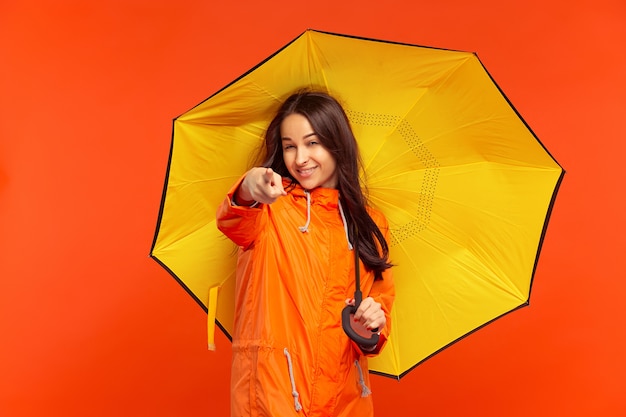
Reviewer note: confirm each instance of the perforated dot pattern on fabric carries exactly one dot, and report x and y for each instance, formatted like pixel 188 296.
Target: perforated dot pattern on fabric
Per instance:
pixel 428 187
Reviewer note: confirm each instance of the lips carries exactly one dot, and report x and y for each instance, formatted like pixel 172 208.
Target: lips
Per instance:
pixel 306 173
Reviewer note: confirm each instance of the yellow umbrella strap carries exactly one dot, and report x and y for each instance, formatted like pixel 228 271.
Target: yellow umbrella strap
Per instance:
pixel 212 310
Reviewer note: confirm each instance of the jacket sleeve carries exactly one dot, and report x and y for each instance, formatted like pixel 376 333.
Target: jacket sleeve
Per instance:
pixel 383 292
pixel 239 223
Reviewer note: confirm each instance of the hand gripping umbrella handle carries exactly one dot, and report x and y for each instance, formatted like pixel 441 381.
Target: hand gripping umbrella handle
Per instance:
pixel 364 342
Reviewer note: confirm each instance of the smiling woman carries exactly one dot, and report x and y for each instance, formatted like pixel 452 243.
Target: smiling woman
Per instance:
pixel 296 269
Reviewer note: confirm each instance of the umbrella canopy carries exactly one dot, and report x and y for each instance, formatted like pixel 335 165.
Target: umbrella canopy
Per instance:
pixel 465 184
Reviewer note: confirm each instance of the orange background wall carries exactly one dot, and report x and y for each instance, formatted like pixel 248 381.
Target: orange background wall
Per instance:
pixel 91 326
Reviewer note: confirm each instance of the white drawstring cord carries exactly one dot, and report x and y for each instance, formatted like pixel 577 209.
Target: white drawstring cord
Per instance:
pixel 305 228
pixel 365 391
pixel 345 224
pixel 294 392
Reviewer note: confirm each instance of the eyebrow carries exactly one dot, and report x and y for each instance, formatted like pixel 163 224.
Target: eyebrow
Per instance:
pixel 304 137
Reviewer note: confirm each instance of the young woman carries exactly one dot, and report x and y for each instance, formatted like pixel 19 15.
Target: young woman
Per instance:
pixel 296 220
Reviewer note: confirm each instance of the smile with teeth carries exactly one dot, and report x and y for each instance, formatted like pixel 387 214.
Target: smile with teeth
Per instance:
pixel 306 172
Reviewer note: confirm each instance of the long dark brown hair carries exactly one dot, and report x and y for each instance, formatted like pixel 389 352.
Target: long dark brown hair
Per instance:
pixel 332 127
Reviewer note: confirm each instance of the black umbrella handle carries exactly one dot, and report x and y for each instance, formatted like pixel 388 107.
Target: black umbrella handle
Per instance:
pixel 364 342
pixel 367 343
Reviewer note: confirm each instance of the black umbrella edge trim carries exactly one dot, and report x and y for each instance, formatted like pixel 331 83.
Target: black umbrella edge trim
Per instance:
pixel 156 235
pixel 193 296
pixel 163 195
pixel 398 377
pixel 545 226
pixel 245 73
pixel 323 32
pixel 386 41
pixel 517 112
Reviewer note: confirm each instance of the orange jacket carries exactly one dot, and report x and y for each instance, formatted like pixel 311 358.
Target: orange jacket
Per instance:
pixel 290 354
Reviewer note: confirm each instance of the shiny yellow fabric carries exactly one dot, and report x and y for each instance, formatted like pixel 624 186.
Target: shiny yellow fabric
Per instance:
pixel 465 185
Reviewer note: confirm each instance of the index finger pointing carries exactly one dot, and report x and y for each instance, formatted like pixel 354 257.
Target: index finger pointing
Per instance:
pixel 268 176
pixel 276 182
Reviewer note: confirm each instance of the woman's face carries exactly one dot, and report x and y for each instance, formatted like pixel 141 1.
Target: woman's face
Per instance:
pixel 306 159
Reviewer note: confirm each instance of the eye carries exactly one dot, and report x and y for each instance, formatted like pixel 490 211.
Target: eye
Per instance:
pixel 287 147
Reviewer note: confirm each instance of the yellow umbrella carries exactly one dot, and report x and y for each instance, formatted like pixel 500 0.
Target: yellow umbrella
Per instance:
pixel 465 184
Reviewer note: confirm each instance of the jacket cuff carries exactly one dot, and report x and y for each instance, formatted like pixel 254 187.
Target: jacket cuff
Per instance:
pixel 233 190
pixel 382 340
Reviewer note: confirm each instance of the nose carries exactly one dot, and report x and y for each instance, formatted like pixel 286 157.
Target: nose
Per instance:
pixel 302 156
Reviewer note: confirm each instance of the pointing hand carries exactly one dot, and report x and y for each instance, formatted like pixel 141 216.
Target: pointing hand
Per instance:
pixel 262 185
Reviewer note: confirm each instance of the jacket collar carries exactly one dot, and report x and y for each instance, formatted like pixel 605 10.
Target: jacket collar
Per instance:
pixel 319 196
